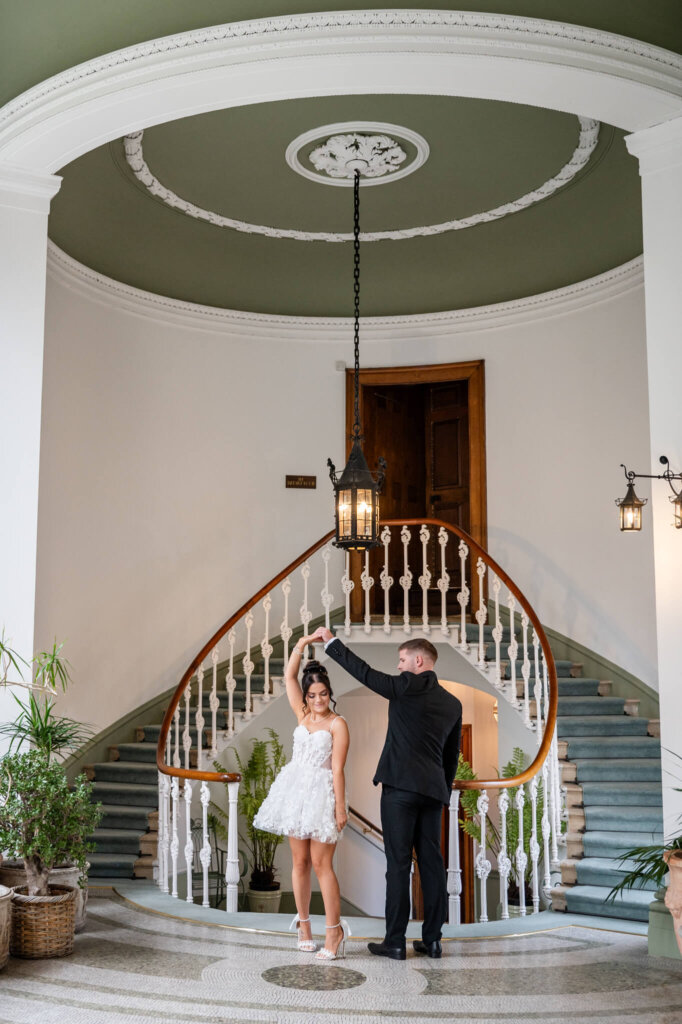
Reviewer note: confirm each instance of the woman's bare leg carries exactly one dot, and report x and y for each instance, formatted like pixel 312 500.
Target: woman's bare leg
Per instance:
pixel 300 881
pixel 322 855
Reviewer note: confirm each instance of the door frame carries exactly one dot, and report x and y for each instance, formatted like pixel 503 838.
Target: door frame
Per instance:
pixel 472 371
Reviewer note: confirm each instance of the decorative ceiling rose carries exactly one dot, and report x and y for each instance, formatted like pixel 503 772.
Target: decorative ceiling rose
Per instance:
pixel 373 155
pixel 587 143
pixel 377 144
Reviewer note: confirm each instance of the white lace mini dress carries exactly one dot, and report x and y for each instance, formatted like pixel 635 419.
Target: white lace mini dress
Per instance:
pixel 301 800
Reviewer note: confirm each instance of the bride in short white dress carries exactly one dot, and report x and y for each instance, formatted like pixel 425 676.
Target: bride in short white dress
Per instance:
pixel 301 802
pixel 307 800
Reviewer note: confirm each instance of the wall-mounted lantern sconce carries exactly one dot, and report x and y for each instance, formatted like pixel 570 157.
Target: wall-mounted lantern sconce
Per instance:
pixel 631 507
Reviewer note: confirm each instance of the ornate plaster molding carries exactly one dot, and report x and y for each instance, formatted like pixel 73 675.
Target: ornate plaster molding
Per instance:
pixel 613 78
pixel 104 290
pixel 397 133
pixel 587 141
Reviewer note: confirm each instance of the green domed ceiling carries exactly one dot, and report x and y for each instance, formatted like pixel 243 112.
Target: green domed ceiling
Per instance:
pixel 483 154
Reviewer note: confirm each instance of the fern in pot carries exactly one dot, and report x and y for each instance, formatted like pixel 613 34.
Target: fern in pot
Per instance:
pixel 258 773
pixel 472 827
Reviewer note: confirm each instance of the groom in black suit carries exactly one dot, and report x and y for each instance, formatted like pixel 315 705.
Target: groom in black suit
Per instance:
pixel 416 770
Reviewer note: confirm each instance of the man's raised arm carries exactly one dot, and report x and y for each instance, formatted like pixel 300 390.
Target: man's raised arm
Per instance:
pixel 379 682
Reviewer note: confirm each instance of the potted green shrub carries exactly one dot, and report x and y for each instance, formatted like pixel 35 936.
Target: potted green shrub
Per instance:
pixel 258 773
pixel 53 735
pixel 44 822
pixel 470 824
pixel 652 862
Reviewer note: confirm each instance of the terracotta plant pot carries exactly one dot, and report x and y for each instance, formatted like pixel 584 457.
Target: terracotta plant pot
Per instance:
pixel 12 874
pixel 43 926
pixel 673 894
pixel 5 923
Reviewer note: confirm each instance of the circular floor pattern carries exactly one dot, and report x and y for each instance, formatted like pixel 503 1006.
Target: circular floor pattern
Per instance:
pixel 133 966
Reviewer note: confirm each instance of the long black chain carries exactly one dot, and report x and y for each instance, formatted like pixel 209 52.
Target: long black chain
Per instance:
pixel 356 291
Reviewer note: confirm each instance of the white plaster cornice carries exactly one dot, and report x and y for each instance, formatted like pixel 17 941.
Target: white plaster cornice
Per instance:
pixel 172 312
pixel 610 78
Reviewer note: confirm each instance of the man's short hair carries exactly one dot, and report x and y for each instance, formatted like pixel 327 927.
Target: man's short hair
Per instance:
pixel 419 645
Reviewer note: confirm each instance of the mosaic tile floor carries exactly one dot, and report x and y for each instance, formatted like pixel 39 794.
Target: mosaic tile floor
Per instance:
pixel 132 966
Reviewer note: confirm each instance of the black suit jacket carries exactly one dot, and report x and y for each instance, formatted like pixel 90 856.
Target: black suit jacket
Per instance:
pixel 424 726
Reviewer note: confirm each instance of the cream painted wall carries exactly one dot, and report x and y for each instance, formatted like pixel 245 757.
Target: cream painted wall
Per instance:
pixel 164 449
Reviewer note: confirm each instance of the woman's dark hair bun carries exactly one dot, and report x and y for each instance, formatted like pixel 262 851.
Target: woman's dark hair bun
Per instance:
pixel 314 666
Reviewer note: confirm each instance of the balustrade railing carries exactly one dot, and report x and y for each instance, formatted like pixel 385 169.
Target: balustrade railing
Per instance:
pixel 501 637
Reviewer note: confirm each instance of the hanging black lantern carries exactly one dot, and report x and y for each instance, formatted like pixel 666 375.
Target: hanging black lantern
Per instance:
pixel 356 491
pixel 631 508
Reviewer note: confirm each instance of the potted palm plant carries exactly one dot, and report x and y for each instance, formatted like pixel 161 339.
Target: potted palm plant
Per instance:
pixel 38 727
pixel 44 822
pixel 258 773
pixel 470 824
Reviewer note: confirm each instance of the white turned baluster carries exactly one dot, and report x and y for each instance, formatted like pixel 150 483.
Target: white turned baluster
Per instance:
pixel 327 598
pixel 175 842
pixel 525 670
pixel 189 847
pixel 482 613
pixel 555 775
pixel 186 734
pixel 176 730
pixel 230 685
pixel 537 691
pixel 199 719
pixel 463 596
pixel 285 629
pixel 521 859
pixel 367 582
pixel 304 611
pixel 425 578
pixel 406 579
pixel 214 703
pixel 512 651
pixel 497 630
pixel 483 865
pixel 454 868
pixel 347 586
pixel 386 580
pixel 248 666
pixel 232 863
pixel 503 861
pixel 546 830
pixel 443 582
pixel 205 852
pixel 164 839
pixel 534 845
pixel 266 649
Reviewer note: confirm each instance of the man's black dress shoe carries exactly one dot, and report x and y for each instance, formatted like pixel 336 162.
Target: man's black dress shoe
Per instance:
pixel 381 949
pixel 432 949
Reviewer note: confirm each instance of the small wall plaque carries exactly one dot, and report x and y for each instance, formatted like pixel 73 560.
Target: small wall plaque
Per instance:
pixel 305 482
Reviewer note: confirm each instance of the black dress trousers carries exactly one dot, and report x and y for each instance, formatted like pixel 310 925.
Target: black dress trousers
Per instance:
pixel 411 820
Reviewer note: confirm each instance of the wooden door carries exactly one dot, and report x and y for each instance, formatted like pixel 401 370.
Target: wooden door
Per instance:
pixel 466 854
pixel 428 423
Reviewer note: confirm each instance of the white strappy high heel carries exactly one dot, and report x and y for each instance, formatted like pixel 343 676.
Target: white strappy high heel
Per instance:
pixel 304 945
pixel 340 954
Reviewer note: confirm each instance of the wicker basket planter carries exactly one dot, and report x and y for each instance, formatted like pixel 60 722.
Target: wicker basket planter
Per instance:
pixel 13 874
pixel 5 923
pixel 43 926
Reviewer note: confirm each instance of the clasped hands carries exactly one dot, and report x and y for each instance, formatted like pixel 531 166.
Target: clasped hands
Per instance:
pixel 320 636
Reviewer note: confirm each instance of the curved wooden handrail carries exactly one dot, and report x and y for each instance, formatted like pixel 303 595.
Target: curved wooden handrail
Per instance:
pixel 517 780
pixel 365 821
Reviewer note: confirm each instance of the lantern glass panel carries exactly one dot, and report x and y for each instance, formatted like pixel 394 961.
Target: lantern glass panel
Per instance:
pixel 365 514
pixel 677 506
pixel 345 513
pixel 630 518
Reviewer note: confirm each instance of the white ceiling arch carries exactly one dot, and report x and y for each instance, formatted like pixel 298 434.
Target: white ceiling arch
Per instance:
pixel 611 78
